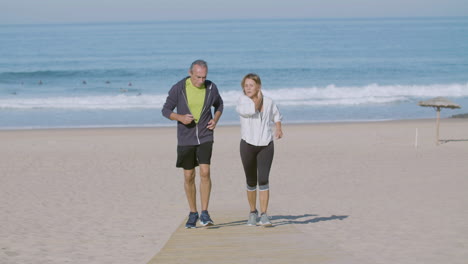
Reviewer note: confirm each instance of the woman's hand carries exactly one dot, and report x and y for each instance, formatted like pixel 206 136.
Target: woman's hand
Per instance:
pixel 278 131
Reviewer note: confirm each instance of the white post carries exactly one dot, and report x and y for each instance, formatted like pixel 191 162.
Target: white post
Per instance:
pixel 416 139
pixel 437 125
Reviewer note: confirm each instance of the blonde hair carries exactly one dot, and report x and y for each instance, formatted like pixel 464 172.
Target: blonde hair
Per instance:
pixel 252 76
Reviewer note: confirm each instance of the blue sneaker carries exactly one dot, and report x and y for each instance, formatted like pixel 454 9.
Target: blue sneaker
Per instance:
pixel 205 219
pixel 192 220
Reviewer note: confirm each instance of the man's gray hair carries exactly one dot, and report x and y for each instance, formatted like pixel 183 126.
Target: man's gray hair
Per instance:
pixel 200 63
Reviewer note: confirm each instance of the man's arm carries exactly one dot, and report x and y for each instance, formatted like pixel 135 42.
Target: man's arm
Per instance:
pixel 218 108
pixel 170 104
pixel 212 123
pixel 184 119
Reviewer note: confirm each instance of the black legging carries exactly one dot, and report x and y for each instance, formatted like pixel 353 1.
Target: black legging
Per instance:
pixel 257 159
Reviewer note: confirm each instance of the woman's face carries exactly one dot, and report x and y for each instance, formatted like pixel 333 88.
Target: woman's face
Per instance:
pixel 251 88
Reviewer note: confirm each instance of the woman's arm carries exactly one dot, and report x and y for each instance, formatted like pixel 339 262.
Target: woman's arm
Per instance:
pixel 278 130
pixel 277 117
pixel 245 106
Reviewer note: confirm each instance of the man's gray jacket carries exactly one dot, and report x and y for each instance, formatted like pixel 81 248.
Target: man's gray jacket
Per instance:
pixel 193 133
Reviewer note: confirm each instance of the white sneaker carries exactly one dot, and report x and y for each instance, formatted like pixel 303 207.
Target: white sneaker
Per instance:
pixel 265 220
pixel 252 219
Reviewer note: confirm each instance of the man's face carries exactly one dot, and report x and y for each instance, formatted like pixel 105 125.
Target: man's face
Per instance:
pixel 198 75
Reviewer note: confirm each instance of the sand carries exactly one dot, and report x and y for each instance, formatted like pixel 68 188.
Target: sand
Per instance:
pixel 113 195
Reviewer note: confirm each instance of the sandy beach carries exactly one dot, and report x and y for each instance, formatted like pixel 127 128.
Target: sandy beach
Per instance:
pixel 381 192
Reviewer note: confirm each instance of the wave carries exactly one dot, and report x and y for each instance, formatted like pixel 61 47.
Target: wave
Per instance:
pixel 357 95
pixel 86 102
pixel 314 96
pixel 61 74
pixel 50 74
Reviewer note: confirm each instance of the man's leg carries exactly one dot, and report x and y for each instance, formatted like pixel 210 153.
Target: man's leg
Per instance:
pixel 205 185
pixel 190 189
pixel 205 191
pixel 204 152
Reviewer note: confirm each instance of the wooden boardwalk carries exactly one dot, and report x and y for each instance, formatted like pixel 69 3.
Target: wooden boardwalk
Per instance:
pixel 232 241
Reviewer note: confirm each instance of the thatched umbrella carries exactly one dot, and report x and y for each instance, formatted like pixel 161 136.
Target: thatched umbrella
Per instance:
pixel 437 103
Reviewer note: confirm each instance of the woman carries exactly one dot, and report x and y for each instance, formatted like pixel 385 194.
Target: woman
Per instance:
pixel 257 112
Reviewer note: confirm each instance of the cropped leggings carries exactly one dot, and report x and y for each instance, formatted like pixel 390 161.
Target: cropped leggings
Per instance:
pixel 257 162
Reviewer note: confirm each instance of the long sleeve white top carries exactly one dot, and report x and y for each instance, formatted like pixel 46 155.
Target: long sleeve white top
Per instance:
pixel 256 126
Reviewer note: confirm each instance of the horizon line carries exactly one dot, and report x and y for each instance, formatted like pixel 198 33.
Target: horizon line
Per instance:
pixel 422 17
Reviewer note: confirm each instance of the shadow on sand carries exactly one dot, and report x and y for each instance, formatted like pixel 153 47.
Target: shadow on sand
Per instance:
pixel 279 220
pixel 303 219
pixel 444 141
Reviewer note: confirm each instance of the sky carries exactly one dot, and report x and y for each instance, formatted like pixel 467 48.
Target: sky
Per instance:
pixel 84 11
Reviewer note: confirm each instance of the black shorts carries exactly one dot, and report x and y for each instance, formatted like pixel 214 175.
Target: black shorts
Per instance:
pixel 188 157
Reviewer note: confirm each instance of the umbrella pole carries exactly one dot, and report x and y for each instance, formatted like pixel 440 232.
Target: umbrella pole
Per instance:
pixel 437 125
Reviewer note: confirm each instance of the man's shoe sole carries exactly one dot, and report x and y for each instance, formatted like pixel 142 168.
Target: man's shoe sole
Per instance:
pixel 206 224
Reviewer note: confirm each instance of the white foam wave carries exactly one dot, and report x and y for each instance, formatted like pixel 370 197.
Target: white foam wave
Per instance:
pixel 356 95
pixel 319 96
pixel 86 102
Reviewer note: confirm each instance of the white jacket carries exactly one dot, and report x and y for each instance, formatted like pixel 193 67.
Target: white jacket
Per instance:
pixel 256 126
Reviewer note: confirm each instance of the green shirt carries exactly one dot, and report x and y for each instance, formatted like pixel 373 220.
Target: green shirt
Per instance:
pixel 195 98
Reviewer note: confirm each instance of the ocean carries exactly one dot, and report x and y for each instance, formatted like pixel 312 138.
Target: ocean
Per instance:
pixel 316 70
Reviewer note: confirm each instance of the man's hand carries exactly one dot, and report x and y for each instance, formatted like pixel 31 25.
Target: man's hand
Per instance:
pixel 186 119
pixel 211 124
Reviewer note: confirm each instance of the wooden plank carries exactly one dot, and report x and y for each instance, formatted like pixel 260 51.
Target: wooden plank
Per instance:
pixel 232 241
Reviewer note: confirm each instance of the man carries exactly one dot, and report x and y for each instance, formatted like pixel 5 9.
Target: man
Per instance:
pixel 193 97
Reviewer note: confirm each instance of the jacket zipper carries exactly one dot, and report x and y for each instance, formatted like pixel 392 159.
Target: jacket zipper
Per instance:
pixel 204 104
pixel 203 109
pixel 201 114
